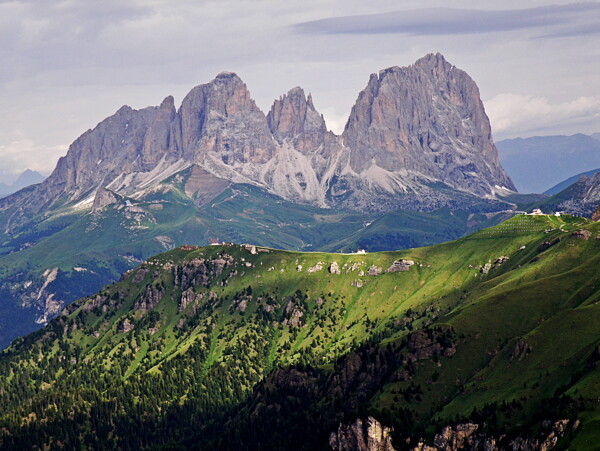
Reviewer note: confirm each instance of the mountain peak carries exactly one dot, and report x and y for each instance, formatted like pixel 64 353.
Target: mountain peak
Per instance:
pixel 227 77
pixel 432 58
pixel 168 103
pixel 294 115
pixel 220 120
pixel 422 121
pixel 28 177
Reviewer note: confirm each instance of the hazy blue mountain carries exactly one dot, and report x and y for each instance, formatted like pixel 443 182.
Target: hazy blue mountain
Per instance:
pixel 27 178
pixel 538 163
pixel 568 182
pixel 595 136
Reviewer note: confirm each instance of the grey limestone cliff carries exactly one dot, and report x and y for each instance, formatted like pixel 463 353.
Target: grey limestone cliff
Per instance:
pixel 416 125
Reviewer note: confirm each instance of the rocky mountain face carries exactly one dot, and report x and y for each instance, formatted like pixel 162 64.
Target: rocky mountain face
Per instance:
pixel 410 129
pixel 420 124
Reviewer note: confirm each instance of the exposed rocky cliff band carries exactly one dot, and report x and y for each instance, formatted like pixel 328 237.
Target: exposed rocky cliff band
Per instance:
pixel 362 435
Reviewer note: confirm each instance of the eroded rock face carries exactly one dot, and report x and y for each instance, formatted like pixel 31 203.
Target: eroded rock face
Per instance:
pixel 362 435
pixel 293 117
pixel 424 121
pixel 199 271
pixel 188 297
pixel 469 436
pixel 460 437
pixel 149 298
pixel 219 120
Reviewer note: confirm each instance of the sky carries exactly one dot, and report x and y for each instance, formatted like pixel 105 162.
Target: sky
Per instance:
pixel 67 65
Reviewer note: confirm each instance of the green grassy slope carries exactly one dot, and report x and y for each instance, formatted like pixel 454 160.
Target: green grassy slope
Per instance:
pixel 237 347
pixel 90 249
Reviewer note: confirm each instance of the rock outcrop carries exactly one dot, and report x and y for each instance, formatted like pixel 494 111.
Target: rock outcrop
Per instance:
pixel 149 298
pixel 362 435
pixel 103 198
pixel 468 436
pixel 334 268
pixel 459 437
pixel 582 234
pixel 400 265
pixel 126 326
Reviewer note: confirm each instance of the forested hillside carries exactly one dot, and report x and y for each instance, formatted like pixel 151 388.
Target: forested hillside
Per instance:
pixel 244 347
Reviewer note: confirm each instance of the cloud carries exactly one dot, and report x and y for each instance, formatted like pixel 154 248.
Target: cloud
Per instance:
pixel 448 21
pixel 26 154
pixel 514 115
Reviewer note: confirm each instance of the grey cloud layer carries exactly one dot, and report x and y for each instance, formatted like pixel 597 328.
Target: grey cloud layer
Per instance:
pixel 575 18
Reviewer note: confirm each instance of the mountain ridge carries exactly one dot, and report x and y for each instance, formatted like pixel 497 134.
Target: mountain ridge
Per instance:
pixel 218 167
pixel 289 151
pixel 245 347
pixel 566 183
pixel 581 198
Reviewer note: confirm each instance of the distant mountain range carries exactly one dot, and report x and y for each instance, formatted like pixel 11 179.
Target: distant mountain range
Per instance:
pixel 26 178
pixel 417 138
pixel 538 163
pixel 143 181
